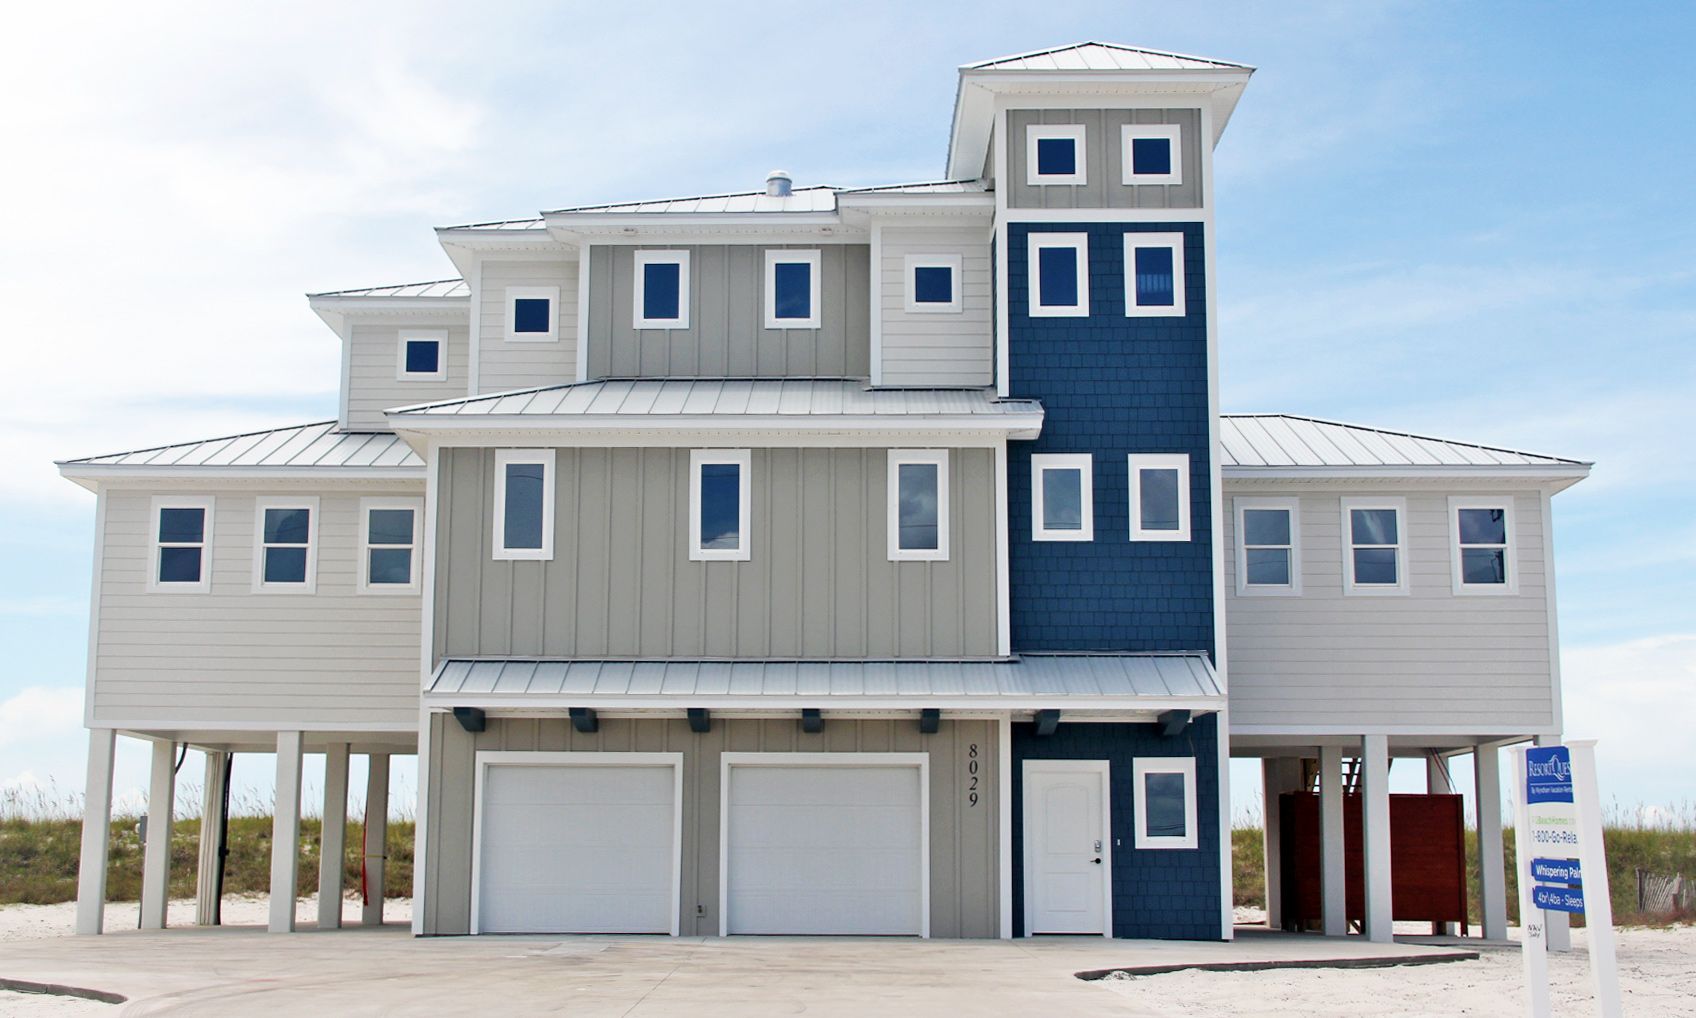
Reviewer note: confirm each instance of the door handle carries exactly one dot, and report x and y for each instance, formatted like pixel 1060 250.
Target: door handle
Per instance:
pixel 1096 860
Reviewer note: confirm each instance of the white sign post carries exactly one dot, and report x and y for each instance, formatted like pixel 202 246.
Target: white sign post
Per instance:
pixel 1561 865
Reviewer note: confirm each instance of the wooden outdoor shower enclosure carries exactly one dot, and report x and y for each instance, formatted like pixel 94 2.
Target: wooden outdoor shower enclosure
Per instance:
pixel 1427 853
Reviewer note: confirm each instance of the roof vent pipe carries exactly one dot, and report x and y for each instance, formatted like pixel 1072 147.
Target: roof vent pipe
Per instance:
pixel 778 184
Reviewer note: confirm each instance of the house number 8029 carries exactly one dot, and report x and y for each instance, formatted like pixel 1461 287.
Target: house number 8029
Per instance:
pixel 972 775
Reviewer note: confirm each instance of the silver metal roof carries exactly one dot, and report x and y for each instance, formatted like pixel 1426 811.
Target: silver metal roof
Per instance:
pixel 503 225
pixel 1104 680
pixel 304 446
pixel 1286 440
pixel 434 288
pixel 801 199
pixel 924 187
pixel 1101 56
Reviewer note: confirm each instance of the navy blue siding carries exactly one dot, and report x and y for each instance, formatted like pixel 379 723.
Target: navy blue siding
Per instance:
pixel 1170 894
pixel 1111 386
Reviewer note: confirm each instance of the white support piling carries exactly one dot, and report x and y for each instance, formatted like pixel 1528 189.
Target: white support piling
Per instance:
pixel 332 856
pixel 1492 865
pixel 1375 837
pixel 1333 889
pixel 156 857
pixel 96 826
pixel 376 837
pixel 285 834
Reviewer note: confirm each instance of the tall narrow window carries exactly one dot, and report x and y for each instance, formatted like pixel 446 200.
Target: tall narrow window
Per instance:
pixel 792 289
pixel 1062 497
pixel 1268 546
pixel 286 554
pixel 389 557
pixel 532 314
pixel 1059 275
pixel 1154 275
pixel 1482 533
pixel 1160 497
pixel 933 284
pixel 182 543
pixel 662 290
pixel 1165 802
pixel 1149 154
pixel 1374 546
pixel 918 504
pixel 1054 154
pixel 719 514
pixel 524 504
pixel 422 355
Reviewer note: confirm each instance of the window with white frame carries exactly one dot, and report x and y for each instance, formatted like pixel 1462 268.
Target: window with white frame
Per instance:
pixel 1149 154
pixel 792 289
pixel 532 314
pixel 1059 275
pixel 1154 275
pixel 285 557
pixel 524 504
pixel 1055 154
pixel 719 505
pixel 918 505
pixel 1062 497
pixel 182 545
pixel 1165 802
pixel 1374 545
pixel 662 290
pixel 1268 546
pixel 933 283
pixel 1482 540
pixel 388 560
pixel 422 355
pixel 1160 496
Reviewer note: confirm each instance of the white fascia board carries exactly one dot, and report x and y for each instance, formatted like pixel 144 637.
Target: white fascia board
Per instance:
pixel 464 246
pixel 419 307
pixel 1010 425
pixel 99 473
pixel 953 701
pixel 944 205
pixel 1529 473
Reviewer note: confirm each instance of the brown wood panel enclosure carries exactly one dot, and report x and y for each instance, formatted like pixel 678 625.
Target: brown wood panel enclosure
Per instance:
pixel 1427 853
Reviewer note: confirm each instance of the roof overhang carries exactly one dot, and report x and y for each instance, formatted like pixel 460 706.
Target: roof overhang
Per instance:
pixel 1552 476
pixel 766 430
pixel 578 228
pixel 93 475
pixel 337 311
pixel 465 245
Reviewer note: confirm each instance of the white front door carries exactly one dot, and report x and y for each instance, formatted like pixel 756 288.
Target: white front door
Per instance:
pixel 1067 855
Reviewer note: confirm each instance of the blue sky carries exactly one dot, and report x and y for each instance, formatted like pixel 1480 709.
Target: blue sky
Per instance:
pixel 1467 220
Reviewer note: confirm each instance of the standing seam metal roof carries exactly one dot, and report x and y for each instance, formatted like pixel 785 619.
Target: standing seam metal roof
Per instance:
pixel 317 445
pixel 434 288
pixel 1287 440
pixel 1102 56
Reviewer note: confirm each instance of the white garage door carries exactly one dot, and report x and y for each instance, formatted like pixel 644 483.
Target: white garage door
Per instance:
pixel 568 848
pixel 824 849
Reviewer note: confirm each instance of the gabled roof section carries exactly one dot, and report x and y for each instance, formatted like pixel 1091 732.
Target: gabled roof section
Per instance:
pixel 501 226
pixel 434 288
pixel 820 198
pixel 1101 56
pixel 1259 444
pixel 318 450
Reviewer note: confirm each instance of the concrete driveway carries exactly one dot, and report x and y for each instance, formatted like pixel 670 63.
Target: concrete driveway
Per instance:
pixel 354 972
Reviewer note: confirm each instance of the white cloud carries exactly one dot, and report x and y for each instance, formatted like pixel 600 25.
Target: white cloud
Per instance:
pixel 40 715
pixel 1635 698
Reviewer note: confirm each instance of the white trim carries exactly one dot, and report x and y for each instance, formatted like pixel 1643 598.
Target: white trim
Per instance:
pixel 427 573
pixel 1222 817
pixel 537 758
pixel 412 505
pixel 474 333
pixel 1099 215
pixel 421 818
pixel 839 759
pixel 1172 133
pixel 1003 566
pixel 1002 252
pixel 1137 463
pixel 1082 462
pixel 1143 766
pixel 1553 616
pixel 97 573
pixel 1103 768
pixel 184 727
pixel 581 354
pixel 875 326
pixel 897 459
pixel 1004 821
pixel 1528 473
pixel 143 474
pixel 309 585
pixel 514 294
pixel 792 256
pixel 436 336
pixel 1035 243
pixel 1047 132
pixel 343 398
pixel 204 503
pixel 741 459
pixel 1171 241
pixel 1292 506
pixel 956 279
pixel 649 256
pixel 504 457
pixel 1510 549
pixel 1349 504
pixel 903 704
pixel 1016 425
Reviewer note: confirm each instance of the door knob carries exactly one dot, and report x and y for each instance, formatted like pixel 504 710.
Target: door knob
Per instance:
pixel 1096 860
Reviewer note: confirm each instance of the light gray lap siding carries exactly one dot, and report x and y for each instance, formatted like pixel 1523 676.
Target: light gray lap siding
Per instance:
pixel 1427 659
pixel 964 866
pixel 505 366
pixel 947 349
pixel 726 335
pixel 818 584
pixel 374 362
pixel 1103 161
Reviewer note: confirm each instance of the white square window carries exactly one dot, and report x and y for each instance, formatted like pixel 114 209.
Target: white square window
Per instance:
pixel 1062 497
pixel 285 551
pixel 918 505
pixel 532 314
pixel 661 290
pixel 1160 496
pixel 1150 154
pixel 933 284
pixel 1165 802
pixel 524 504
pixel 1055 154
pixel 1374 545
pixel 719 505
pixel 1268 546
pixel 1481 533
pixel 792 289
pixel 1059 275
pixel 1154 275
pixel 182 545
pixel 422 355
pixel 389 545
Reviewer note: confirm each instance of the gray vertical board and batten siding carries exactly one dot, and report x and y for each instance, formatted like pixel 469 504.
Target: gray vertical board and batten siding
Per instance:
pixel 1103 187
pixel 374 362
pixel 937 349
pixel 727 337
pixel 1429 658
pixel 964 864
pixel 505 366
pixel 621 584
